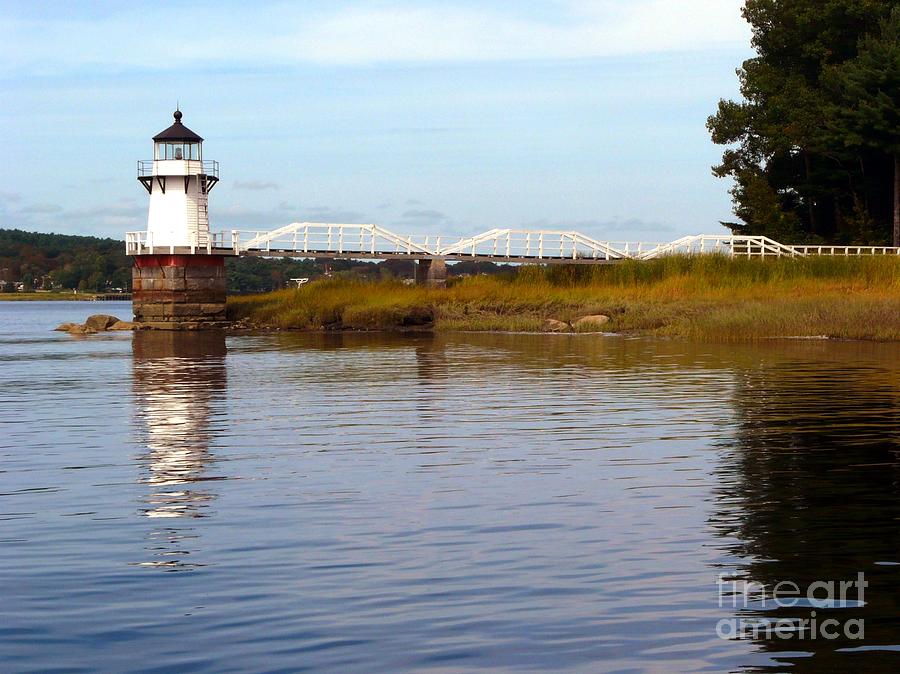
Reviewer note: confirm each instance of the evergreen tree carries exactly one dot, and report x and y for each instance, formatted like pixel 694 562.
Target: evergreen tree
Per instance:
pixel 870 115
pixel 803 169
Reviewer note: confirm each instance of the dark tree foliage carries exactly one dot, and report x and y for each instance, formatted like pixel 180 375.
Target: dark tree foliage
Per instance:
pixel 478 268
pixel 813 145
pixel 44 260
pixel 257 274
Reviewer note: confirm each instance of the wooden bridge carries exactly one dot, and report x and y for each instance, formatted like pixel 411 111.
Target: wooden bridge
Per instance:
pixel 326 240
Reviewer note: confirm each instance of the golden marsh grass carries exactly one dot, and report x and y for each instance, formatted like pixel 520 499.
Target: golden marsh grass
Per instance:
pixel 709 297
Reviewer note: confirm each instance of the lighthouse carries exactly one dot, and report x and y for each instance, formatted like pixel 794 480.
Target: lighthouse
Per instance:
pixel 178 276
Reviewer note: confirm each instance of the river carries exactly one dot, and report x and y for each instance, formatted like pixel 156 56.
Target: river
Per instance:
pixel 450 503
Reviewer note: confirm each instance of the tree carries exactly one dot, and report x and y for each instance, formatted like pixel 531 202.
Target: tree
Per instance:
pixel 870 115
pixel 96 281
pixel 797 172
pixel 66 259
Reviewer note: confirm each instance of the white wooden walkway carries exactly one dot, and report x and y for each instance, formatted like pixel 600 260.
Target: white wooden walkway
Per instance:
pixel 315 239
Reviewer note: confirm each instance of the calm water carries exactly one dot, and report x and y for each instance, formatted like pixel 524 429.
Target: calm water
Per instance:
pixel 371 503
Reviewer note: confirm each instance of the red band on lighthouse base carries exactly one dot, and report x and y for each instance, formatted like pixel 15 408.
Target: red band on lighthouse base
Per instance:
pixel 143 261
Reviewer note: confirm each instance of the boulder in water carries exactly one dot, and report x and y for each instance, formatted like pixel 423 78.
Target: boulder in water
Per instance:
pixel 553 325
pixel 81 330
pixel 96 323
pixel 100 322
pixel 588 323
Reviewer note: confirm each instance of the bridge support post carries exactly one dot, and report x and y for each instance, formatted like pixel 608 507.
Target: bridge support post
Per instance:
pixel 431 272
pixel 179 292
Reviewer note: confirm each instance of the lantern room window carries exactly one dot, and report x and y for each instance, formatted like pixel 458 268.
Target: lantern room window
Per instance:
pixel 177 151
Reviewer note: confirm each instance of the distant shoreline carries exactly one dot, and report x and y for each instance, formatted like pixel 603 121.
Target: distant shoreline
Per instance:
pixel 54 297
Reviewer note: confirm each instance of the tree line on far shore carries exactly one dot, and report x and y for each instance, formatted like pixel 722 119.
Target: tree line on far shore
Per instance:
pixel 814 146
pixel 258 274
pixel 39 261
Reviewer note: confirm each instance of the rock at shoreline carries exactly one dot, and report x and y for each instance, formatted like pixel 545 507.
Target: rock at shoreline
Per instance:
pixel 417 316
pixel 96 323
pixel 100 322
pixel 590 322
pixel 553 325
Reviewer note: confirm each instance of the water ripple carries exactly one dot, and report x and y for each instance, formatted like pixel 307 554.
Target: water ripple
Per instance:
pixel 361 503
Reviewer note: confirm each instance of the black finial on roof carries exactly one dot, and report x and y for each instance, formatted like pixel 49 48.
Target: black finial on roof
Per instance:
pixel 177 116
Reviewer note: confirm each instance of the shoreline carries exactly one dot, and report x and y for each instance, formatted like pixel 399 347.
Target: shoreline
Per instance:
pixel 711 298
pixel 707 299
pixel 264 330
pixel 55 297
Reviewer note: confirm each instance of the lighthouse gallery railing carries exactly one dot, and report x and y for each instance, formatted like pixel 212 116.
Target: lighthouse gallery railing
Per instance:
pixel 207 167
pixel 141 243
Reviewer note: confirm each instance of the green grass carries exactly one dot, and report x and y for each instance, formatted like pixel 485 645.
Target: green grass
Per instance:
pixel 709 297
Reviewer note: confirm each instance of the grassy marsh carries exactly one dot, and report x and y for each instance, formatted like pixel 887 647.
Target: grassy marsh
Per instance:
pixel 709 297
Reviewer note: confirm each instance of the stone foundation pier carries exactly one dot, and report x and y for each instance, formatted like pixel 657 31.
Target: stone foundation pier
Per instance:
pixel 179 292
pixel 431 272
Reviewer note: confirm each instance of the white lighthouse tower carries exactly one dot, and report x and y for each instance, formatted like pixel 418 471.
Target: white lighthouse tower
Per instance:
pixel 179 181
pixel 178 280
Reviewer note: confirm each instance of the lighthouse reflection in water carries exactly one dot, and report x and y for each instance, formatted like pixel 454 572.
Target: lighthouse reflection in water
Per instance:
pixel 179 393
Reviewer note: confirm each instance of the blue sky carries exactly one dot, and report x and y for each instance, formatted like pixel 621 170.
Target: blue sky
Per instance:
pixel 425 117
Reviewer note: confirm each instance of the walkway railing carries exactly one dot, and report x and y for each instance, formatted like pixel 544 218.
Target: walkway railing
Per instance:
pixel 316 239
pixel 523 244
pixel 733 246
pixel 313 238
pixel 847 250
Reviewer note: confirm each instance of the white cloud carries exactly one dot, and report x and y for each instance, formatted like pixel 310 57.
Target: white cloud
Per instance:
pixel 616 229
pixel 256 185
pixel 42 208
pixel 108 220
pixel 424 216
pixel 584 29
pixel 363 34
pixel 238 216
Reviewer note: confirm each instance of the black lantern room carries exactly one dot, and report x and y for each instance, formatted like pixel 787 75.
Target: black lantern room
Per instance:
pixel 178 144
